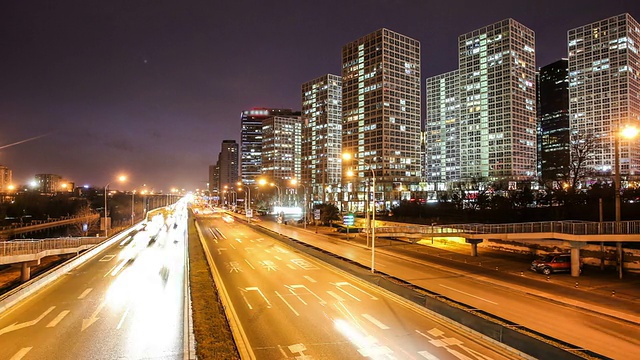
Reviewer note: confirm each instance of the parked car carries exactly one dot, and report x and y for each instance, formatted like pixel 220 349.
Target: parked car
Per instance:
pixel 552 263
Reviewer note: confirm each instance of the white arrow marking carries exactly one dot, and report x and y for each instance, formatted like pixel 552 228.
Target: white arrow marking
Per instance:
pixel 261 294
pixel 21 353
pixel 84 293
pixel 58 318
pixel 239 240
pixel 427 355
pixel 310 279
pixel 94 317
pixel 322 302
pixel 336 296
pixel 16 326
pixel 220 250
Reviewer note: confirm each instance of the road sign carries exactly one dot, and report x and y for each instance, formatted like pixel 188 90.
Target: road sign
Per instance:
pixel 316 214
pixel 249 213
pixel 348 219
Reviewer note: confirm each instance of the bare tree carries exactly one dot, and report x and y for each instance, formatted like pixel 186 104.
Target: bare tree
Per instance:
pixel 87 219
pixel 583 148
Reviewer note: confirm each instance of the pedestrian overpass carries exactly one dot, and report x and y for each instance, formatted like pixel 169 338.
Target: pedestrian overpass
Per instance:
pixel 576 233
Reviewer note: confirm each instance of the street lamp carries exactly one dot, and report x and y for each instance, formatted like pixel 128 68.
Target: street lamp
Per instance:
pixel 133 211
pixel 628 133
pixel 122 178
pixel 348 156
pixel 246 203
pixel 295 182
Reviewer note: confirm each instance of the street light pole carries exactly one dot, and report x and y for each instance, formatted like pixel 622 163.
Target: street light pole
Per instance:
pixel 247 204
pixel 373 222
pixel 133 211
pixel 106 227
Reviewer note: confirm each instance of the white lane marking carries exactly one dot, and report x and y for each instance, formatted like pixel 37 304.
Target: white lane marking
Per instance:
pixel 16 326
pixel 124 316
pixel 232 246
pixel 427 355
pixel 286 302
pixel 310 279
pixel 221 234
pixel 290 266
pixel 344 283
pixel 239 240
pixel 336 296
pixel 278 258
pixel 247 261
pixel 458 354
pixel 477 354
pixel 220 250
pixel 21 353
pixel 84 293
pixel 58 318
pixel 110 270
pixel 375 321
pixel 473 296
pixel 118 267
pixel 107 257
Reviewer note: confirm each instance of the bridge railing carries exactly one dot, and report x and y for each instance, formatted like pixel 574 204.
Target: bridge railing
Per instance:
pixel 26 247
pixel 564 227
pixel 46 221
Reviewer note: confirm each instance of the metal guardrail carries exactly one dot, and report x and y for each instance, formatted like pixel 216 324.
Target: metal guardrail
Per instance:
pixel 564 227
pixel 27 247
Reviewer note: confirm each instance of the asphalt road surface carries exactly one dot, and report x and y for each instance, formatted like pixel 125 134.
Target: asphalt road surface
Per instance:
pixel 292 306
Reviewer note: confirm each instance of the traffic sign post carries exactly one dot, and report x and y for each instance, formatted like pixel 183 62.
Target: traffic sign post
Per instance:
pixel 348 220
pixel 316 218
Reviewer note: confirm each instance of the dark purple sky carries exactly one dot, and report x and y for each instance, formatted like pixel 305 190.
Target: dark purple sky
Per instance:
pixel 150 88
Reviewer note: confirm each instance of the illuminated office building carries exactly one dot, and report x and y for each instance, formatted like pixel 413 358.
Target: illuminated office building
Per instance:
pixel 251 141
pixel 228 165
pixel 322 137
pixel 604 88
pixel 498 103
pixel 381 118
pixel 442 131
pixel 281 149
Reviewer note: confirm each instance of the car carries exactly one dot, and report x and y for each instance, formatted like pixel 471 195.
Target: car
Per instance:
pixel 553 263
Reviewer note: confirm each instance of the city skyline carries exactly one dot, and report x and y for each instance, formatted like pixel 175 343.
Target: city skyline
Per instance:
pixel 128 88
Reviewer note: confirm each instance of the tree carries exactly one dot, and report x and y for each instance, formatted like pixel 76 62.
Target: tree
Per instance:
pixel 328 213
pixel 86 216
pixel 583 150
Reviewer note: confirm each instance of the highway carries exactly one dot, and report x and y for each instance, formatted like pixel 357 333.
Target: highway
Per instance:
pixel 125 303
pixel 507 298
pixel 290 306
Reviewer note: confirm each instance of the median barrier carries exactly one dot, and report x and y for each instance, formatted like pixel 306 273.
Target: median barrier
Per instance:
pixel 492 327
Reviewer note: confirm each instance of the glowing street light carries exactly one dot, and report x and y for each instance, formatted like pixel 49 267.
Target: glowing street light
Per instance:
pixel 347 156
pixel 628 132
pixel 295 182
pixel 247 201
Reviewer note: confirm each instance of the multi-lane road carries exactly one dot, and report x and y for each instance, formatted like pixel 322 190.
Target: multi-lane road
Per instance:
pixel 125 303
pixel 288 305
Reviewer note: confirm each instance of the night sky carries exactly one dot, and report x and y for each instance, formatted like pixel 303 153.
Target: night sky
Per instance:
pixel 151 88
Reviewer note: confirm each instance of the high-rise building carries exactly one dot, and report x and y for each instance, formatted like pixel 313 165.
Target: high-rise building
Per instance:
pixel 281 149
pixel 322 137
pixel 380 118
pixel 442 131
pixel 228 165
pixel 554 136
pixel 214 178
pixel 5 178
pixel 498 98
pixel 604 88
pixel 251 141
pixel 52 184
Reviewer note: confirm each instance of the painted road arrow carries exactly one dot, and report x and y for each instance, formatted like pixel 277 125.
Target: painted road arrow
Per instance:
pixel 23 325
pixel 94 317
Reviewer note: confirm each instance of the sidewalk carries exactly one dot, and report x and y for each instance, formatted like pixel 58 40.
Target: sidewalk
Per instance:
pixel 595 290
